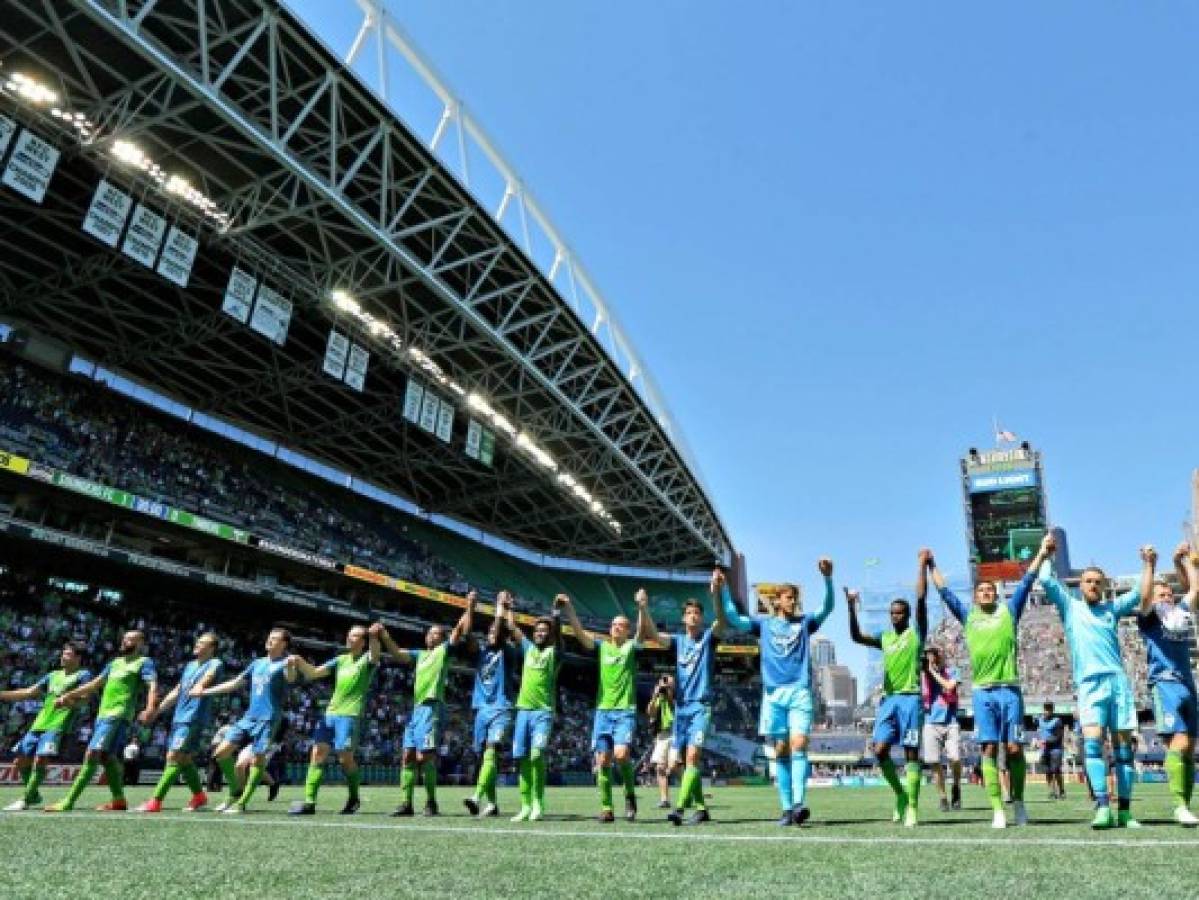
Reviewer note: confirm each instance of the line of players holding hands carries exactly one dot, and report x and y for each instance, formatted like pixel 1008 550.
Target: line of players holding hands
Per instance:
pixel 515 692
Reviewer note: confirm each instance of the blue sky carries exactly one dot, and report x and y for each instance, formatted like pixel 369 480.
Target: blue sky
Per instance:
pixel 844 235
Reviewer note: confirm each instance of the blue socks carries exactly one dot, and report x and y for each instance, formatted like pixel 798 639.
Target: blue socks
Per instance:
pixel 799 777
pixel 1124 772
pixel 1096 767
pixel 782 771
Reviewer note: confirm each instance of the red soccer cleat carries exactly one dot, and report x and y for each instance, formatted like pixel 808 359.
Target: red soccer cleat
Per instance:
pixel 113 806
pixel 197 802
pixel 150 806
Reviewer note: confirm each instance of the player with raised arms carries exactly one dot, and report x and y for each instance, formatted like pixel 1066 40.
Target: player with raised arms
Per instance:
pixel 616 704
pixel 784 641
pixel 899 717
pixel 497 661
pixel 192 715
pixel 1105 696
pixel 536 702
pixel 121 681
pixel 990 629
pixel 268 677
pixel 1167 624
pixel 422 734
pixel 43 741
pixel 695 671
pixel 353 672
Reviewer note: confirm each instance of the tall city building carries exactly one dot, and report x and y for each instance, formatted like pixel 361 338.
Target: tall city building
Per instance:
pixel 839 691
pixel 824 651
pixel 1006 514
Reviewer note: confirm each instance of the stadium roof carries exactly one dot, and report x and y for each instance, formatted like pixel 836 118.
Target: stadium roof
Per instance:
pixel 296 173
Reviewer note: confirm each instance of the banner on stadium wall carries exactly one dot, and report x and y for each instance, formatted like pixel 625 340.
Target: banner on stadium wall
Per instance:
pixel 31 166
pixel 414 398
pixel 487 447
pixel 178 256
pixel 356 367
pixel 983 483
pixel 304 556
pixel 106 217
pixel 7 129
pixel 474 438
pixel 10 462
pixel 337 348
pixel 239 295
pixel 55 775
pixel 271 316
pixel 445 422
pixel 428 411
pixel 144 237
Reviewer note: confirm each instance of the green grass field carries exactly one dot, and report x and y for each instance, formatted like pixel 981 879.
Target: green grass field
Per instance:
pixel 850 849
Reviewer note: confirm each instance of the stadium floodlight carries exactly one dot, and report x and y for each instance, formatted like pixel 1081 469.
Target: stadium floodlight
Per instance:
pixel 475 402
pixel 29 89
pixel 343 301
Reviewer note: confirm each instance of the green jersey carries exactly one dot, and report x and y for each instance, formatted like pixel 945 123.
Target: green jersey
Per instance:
pixel 538 677
pixel 901 661
pixel 432 667
pixel 351 684
pixel 122 677
pixel 55 685
pixel 665 715
pixel 617 675
pixel 991 640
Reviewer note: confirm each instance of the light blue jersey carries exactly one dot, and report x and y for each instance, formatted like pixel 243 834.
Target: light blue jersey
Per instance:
pixel 189 709
pixel 1050 730
pixel 497 674
pixel 268 687
pixel 1169 633
pixel 1092 631
pixel 695 663
pixel 783 643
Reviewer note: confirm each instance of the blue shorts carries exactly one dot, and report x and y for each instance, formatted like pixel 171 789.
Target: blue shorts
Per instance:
pixel 423 731
pixel 899 721
pixel 691 724
pixel 255 732
pixel 1051 759
pixel 786 711
pixel 493 725
pixel 533 729
pixel 109 735
pixel 185 738
pixel 998 715
pixel 340 732
pixel 39 743
pixel 1107 701
pixel 613 728
pixel 1174 708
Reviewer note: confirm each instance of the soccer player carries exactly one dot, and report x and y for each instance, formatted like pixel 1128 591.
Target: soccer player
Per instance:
pixel 616 703
pixel 1168 627
pixel 695 670
pixel 268 677
pixel 191 718
pixel 120 680
pixel 1051 733
pixel 43 740
pixel 496 673
pixel 1105 697
pixel 353 672
pixel 899 713
pixel 942 731
pixel 784 648
pixel 990 629
pixel 422 734
pixel 541 658
pixel 663 756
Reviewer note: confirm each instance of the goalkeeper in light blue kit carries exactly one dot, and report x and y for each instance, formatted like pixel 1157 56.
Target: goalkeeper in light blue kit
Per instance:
pixel 786 719
pixel 1105 697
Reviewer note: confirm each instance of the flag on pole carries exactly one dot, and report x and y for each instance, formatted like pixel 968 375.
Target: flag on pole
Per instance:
pixel 1006 436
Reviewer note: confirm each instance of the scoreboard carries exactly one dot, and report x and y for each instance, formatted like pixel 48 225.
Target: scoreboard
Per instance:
pixel 1005 511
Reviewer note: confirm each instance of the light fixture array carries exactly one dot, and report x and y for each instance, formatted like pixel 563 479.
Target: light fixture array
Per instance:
pixel 134 156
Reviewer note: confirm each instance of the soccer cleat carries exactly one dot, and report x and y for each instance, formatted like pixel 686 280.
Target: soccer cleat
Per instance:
pixel 302 808
pixel 523 816
pixel 630 808
pixel 224 806
pixel 1020 813
pixel 430 808
pixel 150 806
pixel 197 802
pixel 1185 817
pixel 490 811
pixel 909 818
pixel 1124 819
pixel 799 814
pixel 663 804
pixel 785 819
pixel 999 819
pixel 353 804
pixel 17 806
pixel 113 806
pixel 606 816
pixel 537 812
pixel 234 809
pixel 1103 818
pixel 955 797
pixel 60 806
pixel 272 791
pixel 675 818
pixel 901 807
pixel 944 805
pixel 403 811
pixel 472 805
pixel 699 817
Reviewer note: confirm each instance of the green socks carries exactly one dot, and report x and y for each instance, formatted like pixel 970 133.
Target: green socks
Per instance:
pixel 525 767
pixel 169 774
pixel 312 784
pixel 430 768
pixel 407 783
pixel 82 780
pixel 36 774
pixel 691 790
pixel 604 779
pixel 116 777
pixel 628 776
pixel 991 782
pixel 191 777
pixel 353 781
pixel 538 777
pixel 229 771
pixel 488 775
pixel 913 778
pixel 1188 774
pixel 1017 768
pixel 251 785
pixel 1175 777
pixel 25 773
pixel 887 767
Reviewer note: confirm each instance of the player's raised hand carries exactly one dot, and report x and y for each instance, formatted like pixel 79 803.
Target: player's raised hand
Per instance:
pixel 561 602
pixel 147 716
pixel 852 597
pixel 825 565
pixel 1149 554
pixel 197 690
pixel 1182 550
pixel 716 584
pixel 376 630
pixel 925 556
pixel 503 600
pixel 1048 544
pixel 472 596
pixel 641 598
